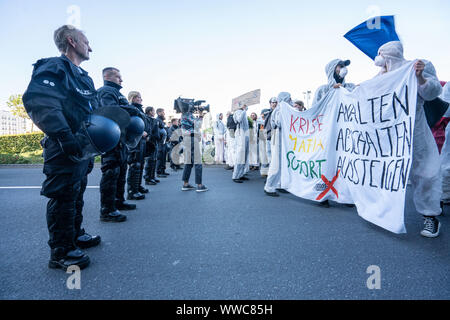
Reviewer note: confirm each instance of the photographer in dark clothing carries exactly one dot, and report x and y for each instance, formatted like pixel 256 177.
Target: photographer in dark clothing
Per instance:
pixel 151 147
pixel 162 151
pixel 59 99
pixel 114 163
pixel 136 155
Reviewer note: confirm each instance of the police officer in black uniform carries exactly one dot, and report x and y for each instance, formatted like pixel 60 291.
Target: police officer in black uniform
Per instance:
pixel 151 147
pixel 162 148
pixel 114 163
pixel 58 99
pixel 136 155
pixel 174 137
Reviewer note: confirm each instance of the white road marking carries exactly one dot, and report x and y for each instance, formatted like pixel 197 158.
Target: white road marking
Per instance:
pixel 39 187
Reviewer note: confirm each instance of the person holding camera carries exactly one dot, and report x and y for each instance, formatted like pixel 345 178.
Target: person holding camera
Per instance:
pixel 192 150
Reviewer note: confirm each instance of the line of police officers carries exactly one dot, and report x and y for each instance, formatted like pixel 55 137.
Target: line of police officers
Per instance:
pixel 59 99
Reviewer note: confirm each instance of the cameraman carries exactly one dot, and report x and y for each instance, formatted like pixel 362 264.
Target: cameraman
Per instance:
pixel 192 148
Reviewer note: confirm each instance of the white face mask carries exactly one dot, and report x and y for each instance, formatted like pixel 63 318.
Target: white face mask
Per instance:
pixel 380 61
pixel 343 72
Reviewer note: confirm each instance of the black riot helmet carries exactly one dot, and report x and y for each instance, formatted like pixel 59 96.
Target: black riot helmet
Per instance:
pixel 134 132
pixel 98 135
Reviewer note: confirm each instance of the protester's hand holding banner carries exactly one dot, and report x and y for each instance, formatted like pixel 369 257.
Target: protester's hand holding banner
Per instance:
pixel 355 147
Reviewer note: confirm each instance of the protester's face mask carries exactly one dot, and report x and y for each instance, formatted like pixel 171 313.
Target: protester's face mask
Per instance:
pixel 343 72
pixel 380 61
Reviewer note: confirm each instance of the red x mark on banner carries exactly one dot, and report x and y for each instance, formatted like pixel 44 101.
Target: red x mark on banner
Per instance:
pixel 330 186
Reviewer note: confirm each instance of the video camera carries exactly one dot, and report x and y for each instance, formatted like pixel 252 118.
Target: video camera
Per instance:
pixel 183 105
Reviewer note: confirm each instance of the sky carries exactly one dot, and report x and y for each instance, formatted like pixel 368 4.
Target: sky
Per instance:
pixel 215 50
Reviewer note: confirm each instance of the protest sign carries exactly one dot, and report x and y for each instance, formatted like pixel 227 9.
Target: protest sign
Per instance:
pixel 355 147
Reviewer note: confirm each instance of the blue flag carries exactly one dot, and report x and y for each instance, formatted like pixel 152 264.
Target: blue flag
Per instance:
pixel 370 35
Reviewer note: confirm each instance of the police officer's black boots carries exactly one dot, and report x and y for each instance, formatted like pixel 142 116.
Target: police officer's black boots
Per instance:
pixel 108 191
pixel 62 258
pixel 133 182
pixel 108 215
pixel 141 188
pixel 124 206
pixel 152 173
pixel 85 240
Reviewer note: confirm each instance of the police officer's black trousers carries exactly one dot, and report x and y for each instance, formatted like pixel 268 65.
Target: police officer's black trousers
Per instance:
pixel 136 163
pixel 150 164
pixel 61 217
pixel 112 184
pixel 161 158
pixel 64 185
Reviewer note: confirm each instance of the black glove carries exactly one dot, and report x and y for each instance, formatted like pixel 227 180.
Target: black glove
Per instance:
pixel 69 144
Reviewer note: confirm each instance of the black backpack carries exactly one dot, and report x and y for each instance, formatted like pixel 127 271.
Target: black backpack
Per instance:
pixel 230 123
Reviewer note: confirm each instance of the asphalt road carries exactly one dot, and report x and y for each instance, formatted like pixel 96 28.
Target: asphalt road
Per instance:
pixel 232 242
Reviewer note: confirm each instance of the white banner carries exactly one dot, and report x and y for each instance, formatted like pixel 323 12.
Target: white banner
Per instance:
pixel 355 147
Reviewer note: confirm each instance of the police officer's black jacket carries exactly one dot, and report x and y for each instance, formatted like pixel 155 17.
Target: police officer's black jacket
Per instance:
pixel 140 111
pixel 59 96
pixel 161 128
pixel 109 95
pixel 153 133
pixel 58 99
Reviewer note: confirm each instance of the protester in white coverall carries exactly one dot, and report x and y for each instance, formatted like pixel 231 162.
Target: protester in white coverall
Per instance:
pixel 264 157
pixel 253 153
pixel 229 146
pixel 219 137
pixel 425 176
pixel 273 182
pixel 445 151
pixel 241 134
pixel 336 70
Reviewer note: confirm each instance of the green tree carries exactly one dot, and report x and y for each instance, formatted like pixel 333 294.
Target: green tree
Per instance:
pixel 15 103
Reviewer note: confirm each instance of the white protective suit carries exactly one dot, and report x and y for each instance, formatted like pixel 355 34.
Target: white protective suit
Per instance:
pixel 253 145
pixel 323 90
pixel 241 137
pixel 273 181
pixel 425 171
pixel 230 149
pixel 262 151
pixel 445 151
pixel 219 139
